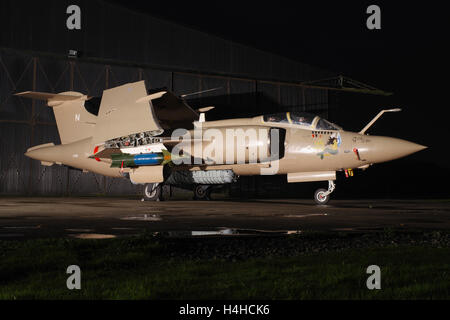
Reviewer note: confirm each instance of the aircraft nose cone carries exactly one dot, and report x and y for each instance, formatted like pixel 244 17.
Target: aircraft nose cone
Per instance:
pixel 383 149
pixel 401 148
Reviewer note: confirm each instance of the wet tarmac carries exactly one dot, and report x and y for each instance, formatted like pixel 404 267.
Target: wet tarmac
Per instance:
pixel 104 218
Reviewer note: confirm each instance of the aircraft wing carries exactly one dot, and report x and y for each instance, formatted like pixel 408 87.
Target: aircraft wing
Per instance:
pixel 53 99
pixel 46 96
pixel 125 110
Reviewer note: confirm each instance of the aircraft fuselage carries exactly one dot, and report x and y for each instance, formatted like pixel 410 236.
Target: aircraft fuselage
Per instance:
pixel 305 150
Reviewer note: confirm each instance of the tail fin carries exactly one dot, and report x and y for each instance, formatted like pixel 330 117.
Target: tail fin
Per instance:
pixel 73 120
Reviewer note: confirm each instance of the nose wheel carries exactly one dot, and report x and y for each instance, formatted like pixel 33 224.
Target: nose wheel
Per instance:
pixel 322 196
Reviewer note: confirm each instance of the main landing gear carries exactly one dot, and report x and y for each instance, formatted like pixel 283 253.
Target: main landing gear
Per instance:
pixel 202 192
pixel 152 191
pixel 322 196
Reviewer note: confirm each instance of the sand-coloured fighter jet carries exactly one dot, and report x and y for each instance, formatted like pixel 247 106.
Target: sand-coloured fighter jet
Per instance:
pixel 155 138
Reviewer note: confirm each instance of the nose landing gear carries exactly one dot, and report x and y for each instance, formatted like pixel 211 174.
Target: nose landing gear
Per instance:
pixel 322 196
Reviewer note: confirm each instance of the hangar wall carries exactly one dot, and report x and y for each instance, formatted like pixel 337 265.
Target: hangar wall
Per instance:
pixel 33 57
pixel 25 123
pixel 112 32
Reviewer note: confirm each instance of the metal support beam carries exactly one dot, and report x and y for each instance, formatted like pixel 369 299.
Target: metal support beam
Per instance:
pixel 32 125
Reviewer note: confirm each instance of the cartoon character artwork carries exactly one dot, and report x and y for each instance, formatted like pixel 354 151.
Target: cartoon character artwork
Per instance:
pixel 331 147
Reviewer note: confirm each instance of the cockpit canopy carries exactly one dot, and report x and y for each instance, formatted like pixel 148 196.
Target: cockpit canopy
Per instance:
pixel 303 119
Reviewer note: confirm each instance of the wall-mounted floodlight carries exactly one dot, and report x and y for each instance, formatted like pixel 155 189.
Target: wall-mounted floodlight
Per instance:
pixel 73 54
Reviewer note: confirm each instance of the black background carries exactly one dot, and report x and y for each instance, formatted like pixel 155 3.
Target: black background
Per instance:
pixel 408 56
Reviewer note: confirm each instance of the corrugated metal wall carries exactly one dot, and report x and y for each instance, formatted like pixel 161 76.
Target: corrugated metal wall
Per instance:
pixel 25 123
pixel 112 32
pixel 121 46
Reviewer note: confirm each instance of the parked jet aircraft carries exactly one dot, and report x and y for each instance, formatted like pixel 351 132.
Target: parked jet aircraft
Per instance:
pixel 155 138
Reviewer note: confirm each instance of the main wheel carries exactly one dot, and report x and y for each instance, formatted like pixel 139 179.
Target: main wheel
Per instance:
pixel 202 192
pixel 152 191
pixel 320 197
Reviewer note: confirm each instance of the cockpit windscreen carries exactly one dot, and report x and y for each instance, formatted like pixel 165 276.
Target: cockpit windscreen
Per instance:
pixel 278 117
pixel 323 124
pixel 301 118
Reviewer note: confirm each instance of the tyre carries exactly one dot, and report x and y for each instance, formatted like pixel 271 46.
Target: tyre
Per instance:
pixel 152 192
pixel 320 197
pixel 202 192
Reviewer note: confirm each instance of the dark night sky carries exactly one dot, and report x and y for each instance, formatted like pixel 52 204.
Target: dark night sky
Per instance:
pixel 408 56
